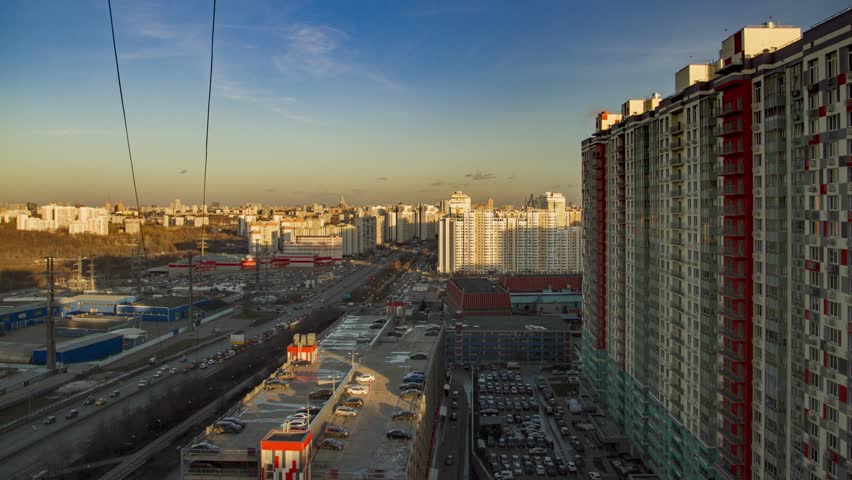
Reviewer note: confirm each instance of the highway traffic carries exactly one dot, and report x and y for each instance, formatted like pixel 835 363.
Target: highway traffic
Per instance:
pixel 24 450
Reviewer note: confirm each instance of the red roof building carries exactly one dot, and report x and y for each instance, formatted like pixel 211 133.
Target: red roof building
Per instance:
pixel 477 297
pixel 539 283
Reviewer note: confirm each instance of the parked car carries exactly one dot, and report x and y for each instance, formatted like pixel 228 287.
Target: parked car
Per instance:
pixel 365 378
pixel 356 390
pixel 324 394
pixel 398 434
pixel 404 415
pixel 454 417
pixel 274 384
pixel 418 356
pixel 432 333
pixel 49 420
pixel 205 446
pixel 72 414
pixel 100 401
pixel 335 431
pixel 225 427
pixel 354 402
pixel 411 385
pixel 344 411
pixel 594 476
pixel 89 401
pixel 413 393
pixel 448 460
pixel 235 421
pixel 330 444
pixel 115 393
pixel 313 409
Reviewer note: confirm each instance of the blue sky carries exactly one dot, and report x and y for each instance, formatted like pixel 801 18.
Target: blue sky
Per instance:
pixel 377 101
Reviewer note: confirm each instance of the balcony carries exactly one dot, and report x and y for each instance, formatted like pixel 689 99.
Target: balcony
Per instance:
pixel 730 108
pixel 733 418
pixel 732 168
pixel 732 438
pixel 733 334
pixel 676 128
pixel 732 397
pixel 676 177
pixel 732 189
pixel 677 273
pixel 730 128
pixel 676 224
pixel 734 230
pixel 676 161
pixel 734 209
pixel 732 376
pixel 676 192
pixel 731 292
pixel 677 144
pixel 731 148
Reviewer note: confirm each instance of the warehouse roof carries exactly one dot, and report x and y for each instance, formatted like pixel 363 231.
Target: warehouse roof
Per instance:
pixel 530 323
pixel 476 285
pixel 538 283
pixel 82 342
pixel 170 302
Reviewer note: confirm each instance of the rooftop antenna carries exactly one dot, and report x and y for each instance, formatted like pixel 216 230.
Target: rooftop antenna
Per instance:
pixel 91 274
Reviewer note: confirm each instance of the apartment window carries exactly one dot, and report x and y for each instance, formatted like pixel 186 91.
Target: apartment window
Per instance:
pixel 832 439
pixel 833 309
pixel 831 414
pixel 814 278
pixel 813 354
pixel 814 252
pixel 830 64
pixel 757 91
pixel 813 405
pixel 813 127
pixel 813 100
pixel 757 117
pixel 834 122
pixel 812 71
pixel 832 202
pixel 816 381
pixel 758 138
pixel 829 149
pixel 832 364
pixel 833 282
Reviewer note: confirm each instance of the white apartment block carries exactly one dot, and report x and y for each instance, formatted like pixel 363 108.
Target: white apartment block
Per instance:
pixel 77 220
pixel 487 241
pixel 717 295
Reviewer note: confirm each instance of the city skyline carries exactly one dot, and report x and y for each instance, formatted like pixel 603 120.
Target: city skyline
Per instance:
pixel 312 89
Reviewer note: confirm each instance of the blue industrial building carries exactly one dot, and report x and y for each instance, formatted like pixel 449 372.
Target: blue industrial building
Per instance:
pixel 20 316
pixel 163 309
pixel 86 349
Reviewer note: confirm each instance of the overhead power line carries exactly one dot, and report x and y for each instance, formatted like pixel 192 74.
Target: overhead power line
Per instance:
pixel 126 131
pixel 207 132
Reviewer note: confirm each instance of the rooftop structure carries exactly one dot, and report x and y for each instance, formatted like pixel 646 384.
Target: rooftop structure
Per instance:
pixel 477 296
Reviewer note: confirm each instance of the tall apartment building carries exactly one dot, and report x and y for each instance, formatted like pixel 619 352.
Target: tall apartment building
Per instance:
pixel 493 241
pixel 574 249
pixel 716 279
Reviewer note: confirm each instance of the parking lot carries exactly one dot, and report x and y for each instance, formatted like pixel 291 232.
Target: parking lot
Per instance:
pixel 528 431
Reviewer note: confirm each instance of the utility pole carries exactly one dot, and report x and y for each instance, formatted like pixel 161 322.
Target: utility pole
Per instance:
pixel 92 274
pixel 257 264
pixel 191 320
pixel 51 322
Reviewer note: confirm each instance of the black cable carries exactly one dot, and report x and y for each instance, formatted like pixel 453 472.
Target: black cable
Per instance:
pixel 126 131
pixel 207 130
pixel 206 148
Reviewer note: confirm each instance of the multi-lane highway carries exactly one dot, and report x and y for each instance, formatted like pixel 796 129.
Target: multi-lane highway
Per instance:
pixel 31 448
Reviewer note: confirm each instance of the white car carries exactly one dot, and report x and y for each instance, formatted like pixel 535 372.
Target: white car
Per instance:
pixel 345 412
pixel 365 378
pixel 356 390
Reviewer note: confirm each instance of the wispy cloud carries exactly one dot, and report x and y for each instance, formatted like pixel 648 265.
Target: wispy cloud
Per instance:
pixel 382 179
pixel 480 176
pixel 155 38
pixel 436 183
pixel 183 172
pixel 314 51
pixel 280 104
pixel 71 132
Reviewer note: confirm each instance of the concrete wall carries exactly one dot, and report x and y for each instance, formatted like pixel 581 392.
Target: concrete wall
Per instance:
pixel 424 440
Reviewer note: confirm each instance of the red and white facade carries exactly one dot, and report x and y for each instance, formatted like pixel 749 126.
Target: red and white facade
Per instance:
pixel 286 455
pixel 733 269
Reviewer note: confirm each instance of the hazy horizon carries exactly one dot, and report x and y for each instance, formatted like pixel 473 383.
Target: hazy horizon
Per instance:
pixel 381 103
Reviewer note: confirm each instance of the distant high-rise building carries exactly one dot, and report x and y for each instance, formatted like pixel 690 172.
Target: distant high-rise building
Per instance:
pixel 554 202
pixel 486 241
pixel 716 269
pixel 459 204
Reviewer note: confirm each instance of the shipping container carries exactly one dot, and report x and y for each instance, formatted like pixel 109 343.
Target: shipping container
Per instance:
pixel 86 349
